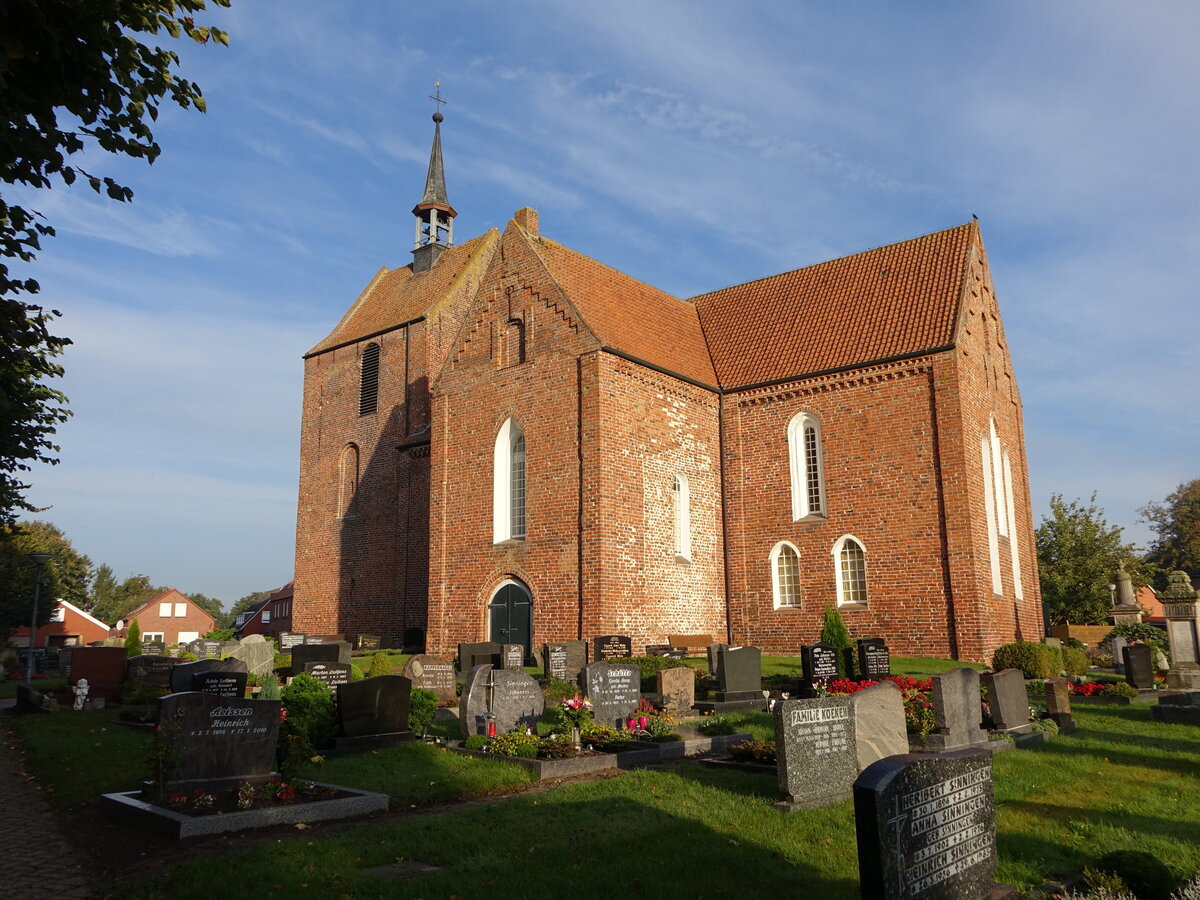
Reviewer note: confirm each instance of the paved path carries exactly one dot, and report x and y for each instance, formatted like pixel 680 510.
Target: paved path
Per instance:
pixel 35 858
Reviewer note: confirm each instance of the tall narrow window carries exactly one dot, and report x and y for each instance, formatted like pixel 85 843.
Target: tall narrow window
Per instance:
pixel 1014 550
pixel 514 342
pixel 347 479
pixel 508 484
pixel 785 575
pixel 806 468
pixel 681 502
pixel 851 561
pixel 368 385
pixel 989 511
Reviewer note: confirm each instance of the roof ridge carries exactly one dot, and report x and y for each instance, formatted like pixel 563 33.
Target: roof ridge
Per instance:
pixel 828 262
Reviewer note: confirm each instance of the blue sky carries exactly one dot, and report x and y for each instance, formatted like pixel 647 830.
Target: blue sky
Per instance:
pixel 692 144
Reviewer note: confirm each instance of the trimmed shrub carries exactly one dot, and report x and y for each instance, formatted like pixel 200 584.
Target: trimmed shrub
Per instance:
pixel 1035 660
pixel 133 639
pixel 381 664
pixel 1075 661
pixel 475 742
pixel 356 674
pixel 422 705
pixel 516 744
pixel 834 631
pixel 555 690
pixel 310 713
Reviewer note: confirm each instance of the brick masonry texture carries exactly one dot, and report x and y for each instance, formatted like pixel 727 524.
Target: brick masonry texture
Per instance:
pixel 394 526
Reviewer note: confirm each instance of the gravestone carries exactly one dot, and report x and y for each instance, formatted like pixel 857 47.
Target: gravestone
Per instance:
pixel 103 667
pixel 565 660
pixel 815 753
pixel 740 674
pixel 181 675
pixel 879 726
pixel 1118 645
pixel 330 674
pixel 1182 708
pixel 1058 704
pixel 290 639
pixel 614 689
pixel 957 710
pixel 153 670
pixel 332 652
pixel 231 685
pixel 374 706
pixel 512 657
pixel 257 652
pixel 714 660
pixel 513 699
pixel 154 648
pixel 368 643
pixel 1008 699
pixel 611 646
pixel 478 654
pixel 214 738
pixel 432 673
pixel 326 639
pixel 818 666
pixel 206 648
pixel 874 660
pixel 1182 612
pixel 926 827
pixel 677 689
pixel 1139 666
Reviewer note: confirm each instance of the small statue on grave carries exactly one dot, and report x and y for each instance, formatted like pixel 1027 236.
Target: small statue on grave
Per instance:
pixel 81 693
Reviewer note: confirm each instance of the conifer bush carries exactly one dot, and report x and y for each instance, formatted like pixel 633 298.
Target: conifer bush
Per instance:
pixel 834 632
pixel 1035 660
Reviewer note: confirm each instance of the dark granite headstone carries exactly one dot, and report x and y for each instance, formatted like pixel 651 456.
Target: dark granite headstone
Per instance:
pixel 565 660
pixel 217 738
pixel 478 654
pixel 154 648
pixel 512 657
pixel 677 689
pixel 611 646
pixel 874 660
pixel 206 648
pixel 330 674
pixel 1007 698
pixel 926 827
pixel 1058 704
pixel 155 670
pixel 368 643
pixel 714 660
pixel 374 705
pixel 289 639
pixel 432 673
pixel 331 652
pixel 879 726
pixel 181 675
pixel 814 748
pixel 740 675
pixel 1139 665
pixel 513 699
pixel 231 685
pixel 818 665
pixel 957 709
pixel 614 689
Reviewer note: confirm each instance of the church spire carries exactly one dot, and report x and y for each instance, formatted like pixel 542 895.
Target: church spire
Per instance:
pixel 435 215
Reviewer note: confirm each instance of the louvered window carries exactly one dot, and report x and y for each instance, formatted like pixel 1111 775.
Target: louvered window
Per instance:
pixel 368 390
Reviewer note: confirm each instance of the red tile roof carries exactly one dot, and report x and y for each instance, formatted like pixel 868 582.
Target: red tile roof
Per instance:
pixel 398 296
pixel 887 302
pixel 628 315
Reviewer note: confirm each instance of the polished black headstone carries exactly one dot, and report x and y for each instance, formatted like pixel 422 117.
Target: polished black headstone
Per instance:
pixel 154 648
pixel 330 674
pixel 155 670
pixel 874 660
pixel 332 652
pixel 181 675
pixel 221 684
pixel 1139 665
pixel 368 643
pixel 926 827
pixel 377 705
pixel 612 646
pixel 209 737
pixel 818 664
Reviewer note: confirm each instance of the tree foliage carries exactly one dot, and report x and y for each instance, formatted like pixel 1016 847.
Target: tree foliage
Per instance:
pixel 18 574
pixel 72 570
pixel 1176 522
pixel 112 601
pixel 210 605
pixel 74 77
pixel 1078 556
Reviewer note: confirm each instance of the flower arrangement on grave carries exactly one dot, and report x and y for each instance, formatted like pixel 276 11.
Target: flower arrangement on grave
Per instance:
pixel 202 800
pixel 577 710
pixel 660 728
pixel 245 795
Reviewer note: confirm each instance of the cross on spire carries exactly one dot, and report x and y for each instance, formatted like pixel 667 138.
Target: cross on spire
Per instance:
pixel 436 97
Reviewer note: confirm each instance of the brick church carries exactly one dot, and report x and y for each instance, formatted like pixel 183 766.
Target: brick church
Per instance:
pixel 509 440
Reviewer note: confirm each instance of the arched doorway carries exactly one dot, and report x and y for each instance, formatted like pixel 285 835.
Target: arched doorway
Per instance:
pixel 510 616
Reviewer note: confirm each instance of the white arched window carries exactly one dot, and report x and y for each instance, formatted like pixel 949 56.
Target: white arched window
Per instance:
pixel 681 502
pixel 807 470
pixel 347 478
pixel 508 484
pixel 785 575
pixel 851 562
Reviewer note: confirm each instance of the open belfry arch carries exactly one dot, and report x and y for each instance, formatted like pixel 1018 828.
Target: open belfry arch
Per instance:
pixel 626 461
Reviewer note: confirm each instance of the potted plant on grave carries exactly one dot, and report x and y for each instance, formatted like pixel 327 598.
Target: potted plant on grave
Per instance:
pixel 577 711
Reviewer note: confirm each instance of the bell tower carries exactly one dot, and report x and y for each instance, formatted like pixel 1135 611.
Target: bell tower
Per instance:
pixel 434 214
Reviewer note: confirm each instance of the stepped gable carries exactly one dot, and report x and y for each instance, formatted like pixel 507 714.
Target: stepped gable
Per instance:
pixel 629 316
pixel 397 296
pixel 891 301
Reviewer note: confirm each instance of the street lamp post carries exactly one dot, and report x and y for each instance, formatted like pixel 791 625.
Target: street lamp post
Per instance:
pixel 40 560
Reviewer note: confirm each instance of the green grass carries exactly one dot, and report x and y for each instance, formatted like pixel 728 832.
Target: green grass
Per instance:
pixel 8 687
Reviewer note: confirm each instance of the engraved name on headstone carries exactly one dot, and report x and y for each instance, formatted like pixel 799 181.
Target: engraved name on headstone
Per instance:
pixel 432 673
pixel 815 750
pixel 614 689
pixel 612 646
pixel 874 660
